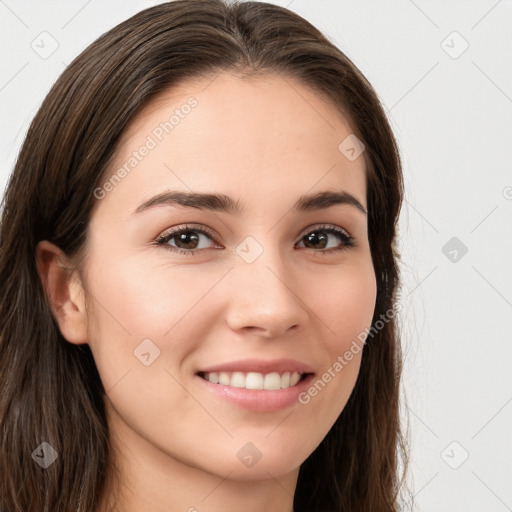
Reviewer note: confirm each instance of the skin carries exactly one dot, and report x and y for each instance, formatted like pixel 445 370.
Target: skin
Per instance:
pixel 265 143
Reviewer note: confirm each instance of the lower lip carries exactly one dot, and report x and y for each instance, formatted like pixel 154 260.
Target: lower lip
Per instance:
pixel 259 400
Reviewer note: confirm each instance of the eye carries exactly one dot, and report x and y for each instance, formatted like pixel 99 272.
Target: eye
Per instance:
pixel 188 239
pixel 185 236
pixel 320 236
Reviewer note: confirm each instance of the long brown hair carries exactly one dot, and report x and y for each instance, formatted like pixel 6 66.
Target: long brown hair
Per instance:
pixel 50 389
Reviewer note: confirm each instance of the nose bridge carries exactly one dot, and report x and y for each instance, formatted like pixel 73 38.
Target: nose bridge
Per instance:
pixel 262 263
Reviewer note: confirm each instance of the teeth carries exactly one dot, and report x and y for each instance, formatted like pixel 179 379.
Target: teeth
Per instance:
pixel 272 381
pixel 294 378
pixel 253 380
pixel 237 380
pixel 224 379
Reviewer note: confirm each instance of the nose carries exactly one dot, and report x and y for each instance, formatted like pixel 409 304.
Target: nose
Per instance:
pixel 263 298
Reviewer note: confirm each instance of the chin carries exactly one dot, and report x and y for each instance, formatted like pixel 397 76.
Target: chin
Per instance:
pixel 250 463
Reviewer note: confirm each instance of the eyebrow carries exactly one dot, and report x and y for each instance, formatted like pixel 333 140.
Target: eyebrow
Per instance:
pixel 223 203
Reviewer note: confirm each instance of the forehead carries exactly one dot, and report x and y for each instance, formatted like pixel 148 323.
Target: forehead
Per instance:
pixel 226 132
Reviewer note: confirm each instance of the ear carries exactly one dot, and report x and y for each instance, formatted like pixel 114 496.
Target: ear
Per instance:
pixel 64 292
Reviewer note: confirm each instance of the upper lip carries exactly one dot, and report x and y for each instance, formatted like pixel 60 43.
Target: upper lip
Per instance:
pixel 260 366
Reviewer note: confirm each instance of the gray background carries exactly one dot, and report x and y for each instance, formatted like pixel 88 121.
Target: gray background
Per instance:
pixel 451 110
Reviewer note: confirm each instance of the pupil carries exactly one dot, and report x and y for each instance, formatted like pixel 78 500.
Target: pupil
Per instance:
pixel 183 238
pixel 315 237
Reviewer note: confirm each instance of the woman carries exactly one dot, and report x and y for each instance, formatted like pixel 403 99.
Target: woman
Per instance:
pixel 199 276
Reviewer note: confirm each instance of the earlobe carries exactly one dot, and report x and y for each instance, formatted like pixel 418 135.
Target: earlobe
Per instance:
pixel 64 292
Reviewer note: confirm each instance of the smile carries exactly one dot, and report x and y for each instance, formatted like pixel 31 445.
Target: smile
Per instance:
pixel 254 380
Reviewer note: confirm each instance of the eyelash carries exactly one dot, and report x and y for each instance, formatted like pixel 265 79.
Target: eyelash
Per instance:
pixel 348 240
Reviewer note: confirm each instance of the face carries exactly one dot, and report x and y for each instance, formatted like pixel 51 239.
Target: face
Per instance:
pixel 180 290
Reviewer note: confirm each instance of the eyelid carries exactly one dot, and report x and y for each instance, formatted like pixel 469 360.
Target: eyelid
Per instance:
pixel 319 227
pixel 187 227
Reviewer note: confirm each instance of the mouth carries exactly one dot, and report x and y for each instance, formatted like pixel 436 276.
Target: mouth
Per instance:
pixel 254 380
pixel 255 384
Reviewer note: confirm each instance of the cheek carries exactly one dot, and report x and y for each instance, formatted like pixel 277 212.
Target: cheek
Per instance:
pixel 146 299
pixel 346 309
pixel 354 308
pixel 132 302
pixel 345 304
